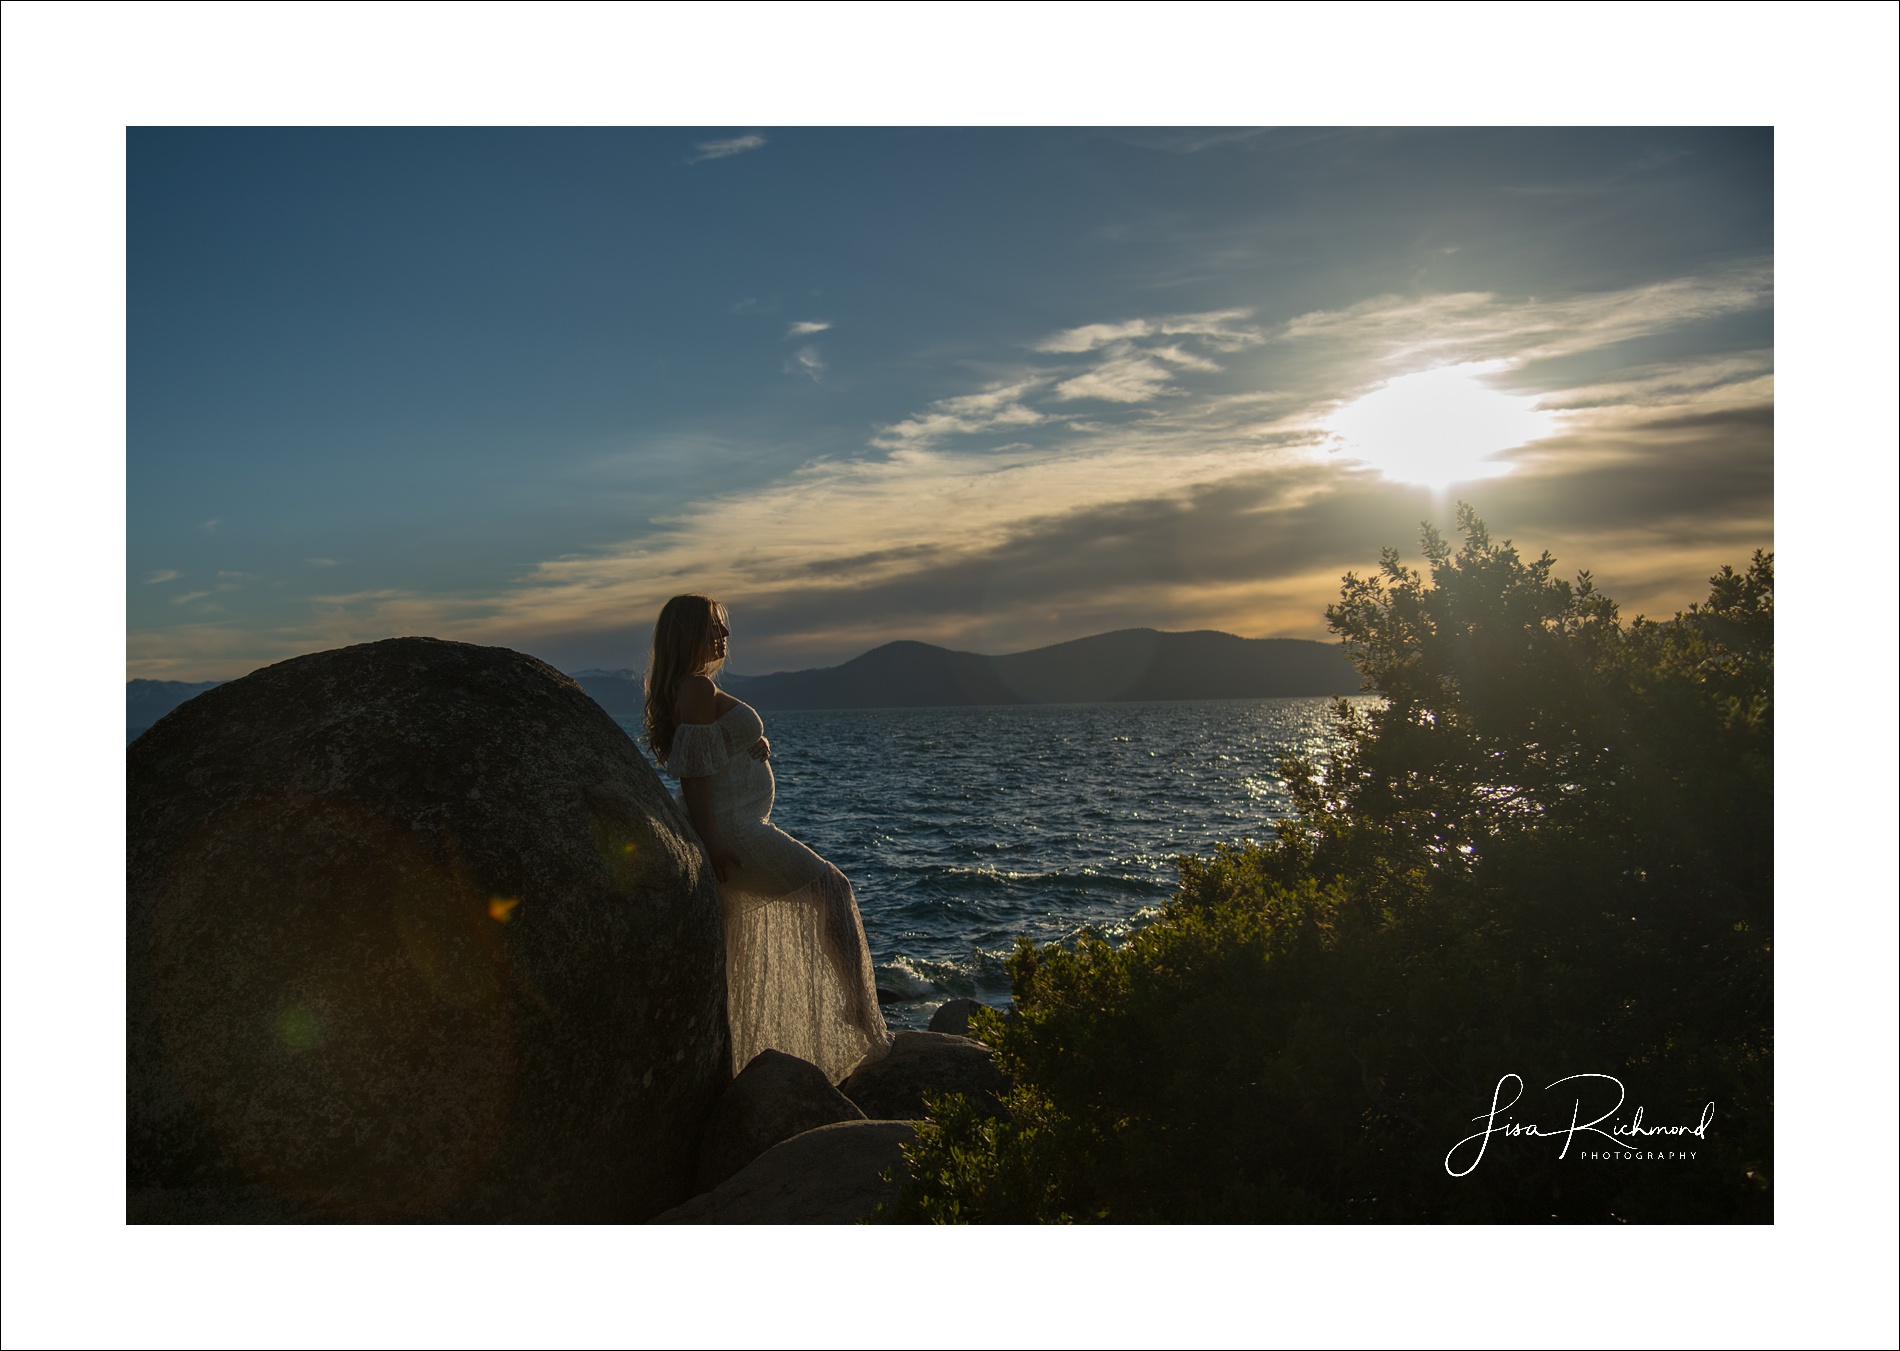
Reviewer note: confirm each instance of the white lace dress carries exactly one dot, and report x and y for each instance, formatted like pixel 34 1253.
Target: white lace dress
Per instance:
pixel 798 969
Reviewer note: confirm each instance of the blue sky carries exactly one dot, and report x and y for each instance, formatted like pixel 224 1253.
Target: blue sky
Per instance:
pixel 989 388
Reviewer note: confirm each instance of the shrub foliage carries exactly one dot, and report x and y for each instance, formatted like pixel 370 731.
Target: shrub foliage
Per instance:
pixel 1547 853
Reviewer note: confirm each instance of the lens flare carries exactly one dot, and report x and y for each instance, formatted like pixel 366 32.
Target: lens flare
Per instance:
pixel 299 1028
pixel 501 909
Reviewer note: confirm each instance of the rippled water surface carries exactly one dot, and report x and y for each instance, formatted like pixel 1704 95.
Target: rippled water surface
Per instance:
pixel 961 828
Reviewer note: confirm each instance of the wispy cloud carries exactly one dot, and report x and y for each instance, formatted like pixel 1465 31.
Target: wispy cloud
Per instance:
pixel 211 524
pixel 167 575
pixel 321 562
pixel 1477 325
pixel 1127 378
pixel 1221 329
pixel 806 361
pixel 965 414
pixel 189 596
pixel 805 327
pixel 1134 366
pixel 1091 336
pixel 1129 365
pixel 1181 357
pixel 738 145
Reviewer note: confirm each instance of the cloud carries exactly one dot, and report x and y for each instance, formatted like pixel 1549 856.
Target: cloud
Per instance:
pixel 963 415
pixel 166 575
pixel 1181 357
pixel 1124 379
pixel 321 562
pixel 1091 336
pixel 211 524
pixel 1447 329
pixel 1131 369
pixel 805 327
pixel 1731 377
pixel 1219 328
pixel 189 596
pixel 805 361
pixel 836 528
pixel 738 145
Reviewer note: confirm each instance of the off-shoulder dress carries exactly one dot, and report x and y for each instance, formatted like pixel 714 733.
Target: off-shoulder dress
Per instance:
pixel 798 969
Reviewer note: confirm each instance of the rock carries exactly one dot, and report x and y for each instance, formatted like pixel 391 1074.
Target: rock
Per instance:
pixel 832 1175
pixel 774 1097
pixel 893 1086
pixel 413 932
pixel 954 1017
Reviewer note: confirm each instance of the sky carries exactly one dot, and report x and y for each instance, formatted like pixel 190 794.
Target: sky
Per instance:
pixel 988 388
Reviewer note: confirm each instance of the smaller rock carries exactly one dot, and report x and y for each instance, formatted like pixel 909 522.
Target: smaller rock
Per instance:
pixel 892 1087
pixel 954 1017
pixel 832 1175
pixel 775 1097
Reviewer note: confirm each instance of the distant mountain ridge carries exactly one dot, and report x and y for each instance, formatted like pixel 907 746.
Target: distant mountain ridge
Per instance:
pixel 146 701
pixel 1125 666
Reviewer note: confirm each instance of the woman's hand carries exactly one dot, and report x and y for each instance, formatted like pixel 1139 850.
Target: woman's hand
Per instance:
pixel 724 862
pixel 760 749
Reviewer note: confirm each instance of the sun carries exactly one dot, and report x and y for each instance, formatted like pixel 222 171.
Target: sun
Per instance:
pixel 1439 427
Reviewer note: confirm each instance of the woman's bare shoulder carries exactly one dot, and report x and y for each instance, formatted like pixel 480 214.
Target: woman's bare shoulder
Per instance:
pixel 696 700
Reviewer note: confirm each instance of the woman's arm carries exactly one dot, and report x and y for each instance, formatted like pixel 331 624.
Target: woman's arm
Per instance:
pixel 697 702
pixel 698 795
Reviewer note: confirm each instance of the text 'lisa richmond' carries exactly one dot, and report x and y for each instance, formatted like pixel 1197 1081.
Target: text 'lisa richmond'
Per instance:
pixel 1631 1140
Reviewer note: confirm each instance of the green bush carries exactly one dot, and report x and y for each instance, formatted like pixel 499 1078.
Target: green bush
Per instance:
pixel 1546 854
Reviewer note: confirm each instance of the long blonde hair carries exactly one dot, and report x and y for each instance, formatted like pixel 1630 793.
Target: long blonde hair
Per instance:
pixel 683 630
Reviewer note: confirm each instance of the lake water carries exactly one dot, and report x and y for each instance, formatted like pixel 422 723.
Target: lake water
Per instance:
pixel 961 828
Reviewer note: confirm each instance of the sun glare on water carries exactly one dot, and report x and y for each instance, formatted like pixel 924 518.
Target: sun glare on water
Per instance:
pixel 1439 427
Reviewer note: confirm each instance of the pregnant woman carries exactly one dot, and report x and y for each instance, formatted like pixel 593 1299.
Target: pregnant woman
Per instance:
pixel 798 971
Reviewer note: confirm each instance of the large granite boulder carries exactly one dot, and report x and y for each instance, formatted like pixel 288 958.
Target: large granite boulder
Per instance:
pixel 773 1098
pixel 413 932
pixel 836 1174
pixel 893 1086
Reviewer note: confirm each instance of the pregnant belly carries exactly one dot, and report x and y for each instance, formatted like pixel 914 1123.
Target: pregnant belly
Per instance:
pixel 746 790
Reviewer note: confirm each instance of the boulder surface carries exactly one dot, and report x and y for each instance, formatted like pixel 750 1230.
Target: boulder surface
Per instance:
pixel 953 1016
pixel 413 932
pixel 832 1175
pixel 893 1086
pixel 773 1098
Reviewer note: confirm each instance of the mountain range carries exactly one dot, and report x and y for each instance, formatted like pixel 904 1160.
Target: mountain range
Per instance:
pixel 1129 664
pixel 146 701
